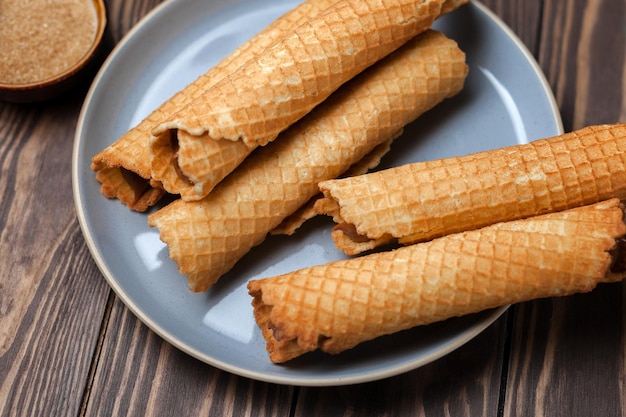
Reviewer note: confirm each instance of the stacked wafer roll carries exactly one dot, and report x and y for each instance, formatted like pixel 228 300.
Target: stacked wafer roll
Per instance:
pixel 204 141
pixel 207 237
pixel 123 168
pixel 138 176
pixel 420 201
pixel 336 306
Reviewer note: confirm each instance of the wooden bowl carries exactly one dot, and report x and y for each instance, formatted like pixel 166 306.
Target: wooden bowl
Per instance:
pixel 57 84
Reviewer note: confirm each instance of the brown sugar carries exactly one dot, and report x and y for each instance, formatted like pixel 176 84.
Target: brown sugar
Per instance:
pixel 40 39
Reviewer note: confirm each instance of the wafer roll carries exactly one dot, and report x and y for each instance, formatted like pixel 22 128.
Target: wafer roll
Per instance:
pixel 207 237
pixel 211 136
pixel 420 201
pixel 290 224
pixel 123 168
pixel 336 306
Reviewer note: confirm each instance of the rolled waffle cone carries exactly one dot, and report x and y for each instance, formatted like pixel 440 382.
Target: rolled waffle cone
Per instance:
pixel 207 237
pixel 293 222
pixel 132 190
pixel 336 306
pixel 420 201
pixel 268 94
pixel 123 168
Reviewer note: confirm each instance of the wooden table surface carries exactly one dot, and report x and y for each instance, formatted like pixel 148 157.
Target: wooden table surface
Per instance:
pixel 69 347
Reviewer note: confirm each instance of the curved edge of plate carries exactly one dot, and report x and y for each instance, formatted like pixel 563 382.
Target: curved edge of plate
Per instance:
pixel 556 113
pixel 459 341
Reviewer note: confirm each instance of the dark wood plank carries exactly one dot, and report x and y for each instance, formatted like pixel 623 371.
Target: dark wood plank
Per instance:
pixel 124 15
pixel 51 296
pixel 524 18
pixel 139 374
pixel 568 354
pixel 462 383
pixel 583 54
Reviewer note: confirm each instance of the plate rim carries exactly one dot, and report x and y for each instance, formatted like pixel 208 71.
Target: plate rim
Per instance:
pixel 459 339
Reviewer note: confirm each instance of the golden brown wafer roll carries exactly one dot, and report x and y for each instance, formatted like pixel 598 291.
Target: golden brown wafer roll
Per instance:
pixel 211 136
pixel 336 306
pixel 420 201
pixel 207 237
pixel 123 168
pixel 290 224
pixel 132 190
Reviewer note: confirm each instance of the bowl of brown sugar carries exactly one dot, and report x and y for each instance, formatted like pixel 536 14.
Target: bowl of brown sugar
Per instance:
pixel 46 44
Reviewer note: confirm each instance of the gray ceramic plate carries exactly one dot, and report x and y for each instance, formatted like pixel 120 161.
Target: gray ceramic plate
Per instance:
pixel 506 100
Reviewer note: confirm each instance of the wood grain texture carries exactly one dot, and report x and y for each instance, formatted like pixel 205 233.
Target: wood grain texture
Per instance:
pixel 463 383
pixel 524 18
pixel 52 297
pixel 124 15
pixel 583 55
pixel 50 315
pixel 69 347
pixel 568 354
pixel 139 374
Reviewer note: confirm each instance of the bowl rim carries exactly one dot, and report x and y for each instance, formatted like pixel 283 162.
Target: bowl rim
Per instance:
pixel 101 19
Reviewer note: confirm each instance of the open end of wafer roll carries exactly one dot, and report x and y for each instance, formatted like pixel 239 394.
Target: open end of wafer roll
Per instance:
pixel 129 154
pixel 129 188
pixel 268 94
pixel 618 265
pixel 175 153
pixel 423 200
pixel 334 307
